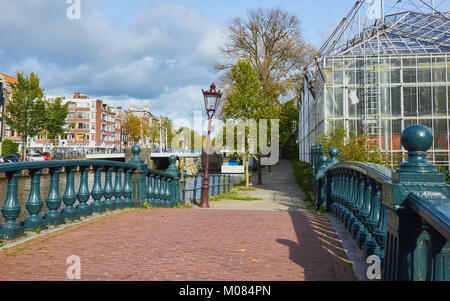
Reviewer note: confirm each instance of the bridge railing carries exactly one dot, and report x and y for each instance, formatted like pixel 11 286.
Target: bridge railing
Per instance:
pixel 134 183
pixel 218 184
pixel 401 216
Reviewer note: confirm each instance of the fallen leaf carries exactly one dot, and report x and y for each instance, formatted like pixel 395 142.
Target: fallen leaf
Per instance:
pixel 243 250
pixel 255 260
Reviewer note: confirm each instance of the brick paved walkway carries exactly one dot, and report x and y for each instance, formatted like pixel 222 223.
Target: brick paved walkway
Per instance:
pixel 187 244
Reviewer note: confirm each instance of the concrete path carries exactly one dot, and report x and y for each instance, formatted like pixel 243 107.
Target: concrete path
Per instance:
pixel 273 239
pixel 278 192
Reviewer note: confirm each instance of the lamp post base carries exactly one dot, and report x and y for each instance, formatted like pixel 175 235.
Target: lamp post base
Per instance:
pixel 204 203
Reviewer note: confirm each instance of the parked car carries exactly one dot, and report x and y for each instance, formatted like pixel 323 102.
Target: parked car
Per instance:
pixel 35 157
pixel 47 156
pixel 9 159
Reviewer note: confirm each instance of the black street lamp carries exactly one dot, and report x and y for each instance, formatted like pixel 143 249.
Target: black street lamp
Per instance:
pixel 212 99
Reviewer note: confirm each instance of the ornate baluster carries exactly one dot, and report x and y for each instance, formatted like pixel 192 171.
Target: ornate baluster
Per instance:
pixel 34 203
pixel 162 191
pixel 374 215
pixel 380 230
pixel 53 201
pixel 157 195
pixel 352 218
pixel 118 189
pixel 371 246
pixel 348 199
pixel 70 213
pixel 170 193
pixel 150 186
pixel 108 189
pixel 357 225
pixel 83 192
pixel 127 189
pixel 97 192
pixel 11 229
pixel 363 233
pixel 364 213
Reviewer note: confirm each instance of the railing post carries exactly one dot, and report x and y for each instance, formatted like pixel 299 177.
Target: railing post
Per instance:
pixel 54 217
pixel 175 173
pixel 11 229
pixel 70 213
pixel 128 189
pixel 97 191
pixel 156 191
pixel 141 172
pixel 83 192
pixel 408 240
pixel 34 203
pixel 108 189
pixel 118 189
pixel 150 190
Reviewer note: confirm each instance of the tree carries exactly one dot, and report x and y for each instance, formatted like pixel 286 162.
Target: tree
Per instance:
pixel 132 125
pixel 272 41
pixel 56 113
pixel 245 100
pixel 288 117
pixel 9 147
pixel 25 112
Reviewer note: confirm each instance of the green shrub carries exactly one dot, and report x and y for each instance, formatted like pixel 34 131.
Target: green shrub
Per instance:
pixel 9 147
pixel 303 176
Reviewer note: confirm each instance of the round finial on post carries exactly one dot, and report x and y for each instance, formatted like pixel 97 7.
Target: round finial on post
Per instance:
pixel 136 150
pixel 172 159
pixel 323 160
pixel 333 152
pixel 417 139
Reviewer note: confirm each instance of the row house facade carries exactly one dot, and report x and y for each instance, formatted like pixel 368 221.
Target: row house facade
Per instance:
pixel 6 96
pixel 92 126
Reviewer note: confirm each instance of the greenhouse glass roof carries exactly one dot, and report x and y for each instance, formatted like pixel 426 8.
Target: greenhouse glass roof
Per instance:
pixel 401 33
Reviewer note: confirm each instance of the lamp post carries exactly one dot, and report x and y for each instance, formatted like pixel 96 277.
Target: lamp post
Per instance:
pixel 212 99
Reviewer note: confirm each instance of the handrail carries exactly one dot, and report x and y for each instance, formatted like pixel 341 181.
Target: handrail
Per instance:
pixel 402 216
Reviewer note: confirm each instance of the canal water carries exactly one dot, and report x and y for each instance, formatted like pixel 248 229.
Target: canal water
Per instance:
pixel 25 182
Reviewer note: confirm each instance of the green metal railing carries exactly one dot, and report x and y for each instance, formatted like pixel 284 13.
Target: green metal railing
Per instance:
pixel 402 216
pixel 218 184
pixel 134 183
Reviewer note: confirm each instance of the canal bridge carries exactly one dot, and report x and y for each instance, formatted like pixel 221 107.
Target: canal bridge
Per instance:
pixel 400 217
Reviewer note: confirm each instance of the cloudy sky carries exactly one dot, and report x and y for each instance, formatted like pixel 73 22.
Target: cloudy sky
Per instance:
pixel 154 53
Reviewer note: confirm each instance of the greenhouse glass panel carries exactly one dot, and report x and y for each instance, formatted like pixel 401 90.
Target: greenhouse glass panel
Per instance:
pixel 396 101
pixel 440 134
pixel 410 101
pixel 339 102
pixel 439 101
pixel 409 75
pixel 424 101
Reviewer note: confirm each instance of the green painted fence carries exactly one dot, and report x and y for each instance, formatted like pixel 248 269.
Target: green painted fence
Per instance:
pixel 133 184
pixel 403 216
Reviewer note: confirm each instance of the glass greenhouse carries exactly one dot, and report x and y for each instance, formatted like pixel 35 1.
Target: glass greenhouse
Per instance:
pixel 393 74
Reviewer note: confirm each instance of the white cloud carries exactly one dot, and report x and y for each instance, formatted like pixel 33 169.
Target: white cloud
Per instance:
pixel 163 55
